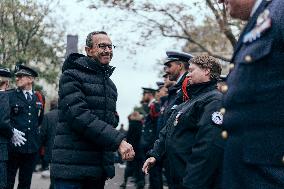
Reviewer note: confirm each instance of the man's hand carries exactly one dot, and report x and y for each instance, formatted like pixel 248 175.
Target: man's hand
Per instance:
pixel 150 162
pixel 18 138
pixel 126 151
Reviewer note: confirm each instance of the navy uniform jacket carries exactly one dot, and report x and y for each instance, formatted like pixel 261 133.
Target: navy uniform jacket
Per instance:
pixel 254 104
pixel 174 98
pixel 149 127
pixel 5 127
pixel 26 117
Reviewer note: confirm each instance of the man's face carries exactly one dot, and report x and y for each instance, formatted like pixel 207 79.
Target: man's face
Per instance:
pixel 24 82
pixel 239 8
pixel 167 82
pixel 198 75
pixel 102 49
pixel 173 70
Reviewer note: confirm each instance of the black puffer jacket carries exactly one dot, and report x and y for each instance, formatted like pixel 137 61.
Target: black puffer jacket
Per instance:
pixel 85 135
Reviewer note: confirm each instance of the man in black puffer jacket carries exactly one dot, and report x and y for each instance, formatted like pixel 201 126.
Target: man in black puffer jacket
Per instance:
pixel 190 138
pixel 82 155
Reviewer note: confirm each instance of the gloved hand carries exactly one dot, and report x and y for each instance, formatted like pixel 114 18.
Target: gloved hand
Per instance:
pixel 17 138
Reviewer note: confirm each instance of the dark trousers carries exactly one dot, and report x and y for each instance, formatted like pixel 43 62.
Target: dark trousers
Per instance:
pixel 25 163
pixel 156 177
pixel 79 184
pixel 3 174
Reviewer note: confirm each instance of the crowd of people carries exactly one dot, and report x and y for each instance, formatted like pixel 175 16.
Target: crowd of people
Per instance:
pixel 196 130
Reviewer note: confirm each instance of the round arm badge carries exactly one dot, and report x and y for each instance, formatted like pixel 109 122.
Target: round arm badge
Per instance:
pixel 217 118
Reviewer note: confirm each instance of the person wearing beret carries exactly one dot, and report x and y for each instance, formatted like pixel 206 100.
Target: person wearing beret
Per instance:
pixel 7 132
pixel 190 139
pixel 253 104
pixel 26 115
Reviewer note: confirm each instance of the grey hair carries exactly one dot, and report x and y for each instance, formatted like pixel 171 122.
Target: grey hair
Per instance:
pixel 89 40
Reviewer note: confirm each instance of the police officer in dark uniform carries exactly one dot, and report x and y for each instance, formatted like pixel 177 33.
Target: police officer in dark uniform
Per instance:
pixel 26 115
pixel 190 138
pixel 176 68
pixel 7 133
pixel 149 128
pixel 253 102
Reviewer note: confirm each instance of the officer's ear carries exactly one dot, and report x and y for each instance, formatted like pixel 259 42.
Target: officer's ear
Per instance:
pixel 88 50
pixel 207 72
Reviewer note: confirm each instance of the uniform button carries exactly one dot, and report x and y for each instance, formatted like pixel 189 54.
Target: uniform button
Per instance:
pixel 29 106
pixel 150 131
pixel 29 128
pixel 30 114
pixel 224 88
pixel 143 131
pixel 231 66
pixel 248 58
pixel 283 159
pixel 29 121
pixel 224 134
pixel 223 111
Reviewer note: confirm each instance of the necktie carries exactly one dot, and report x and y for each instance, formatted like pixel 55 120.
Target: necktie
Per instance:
pixel 29 98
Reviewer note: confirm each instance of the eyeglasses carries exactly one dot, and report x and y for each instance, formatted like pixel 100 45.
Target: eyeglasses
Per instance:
pixel 104 46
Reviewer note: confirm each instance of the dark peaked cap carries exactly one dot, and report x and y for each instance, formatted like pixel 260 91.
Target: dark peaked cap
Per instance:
pixel 177 56
pixel 4 72
pixel 160 84
pixel 149 90
pixel 24 70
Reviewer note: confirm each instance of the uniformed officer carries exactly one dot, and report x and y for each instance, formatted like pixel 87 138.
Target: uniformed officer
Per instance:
pixel 149 128
pixel 7 133
pixel 176 68
pixel 26 115
pixel 253 102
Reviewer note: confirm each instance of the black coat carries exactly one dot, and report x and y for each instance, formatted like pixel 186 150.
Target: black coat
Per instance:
pixel 6 132
pixel 254 105
pixel 47 132
pixel 26 116
pixel 191 140
pixel 149 128
pixel 85 134
pixel 174 98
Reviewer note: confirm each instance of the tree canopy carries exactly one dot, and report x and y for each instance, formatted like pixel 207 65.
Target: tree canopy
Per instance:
pixel 204 26
pixel 30 35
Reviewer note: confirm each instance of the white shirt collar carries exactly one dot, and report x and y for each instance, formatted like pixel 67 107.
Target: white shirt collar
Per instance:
pixel 255 6
pixel 180 78
pixel 152 101
pixel 29 91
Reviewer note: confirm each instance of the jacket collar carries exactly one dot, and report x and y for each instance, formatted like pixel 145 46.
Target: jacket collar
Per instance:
pixel 87 64
pixel 199 88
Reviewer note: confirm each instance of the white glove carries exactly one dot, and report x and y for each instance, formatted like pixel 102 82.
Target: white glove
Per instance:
pixel 17 138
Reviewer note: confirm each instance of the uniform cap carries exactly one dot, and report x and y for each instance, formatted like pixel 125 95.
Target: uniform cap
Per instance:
pixel 24 70
pixel 149 90
pixel 5 72
pixel 177 56
pixel 160 84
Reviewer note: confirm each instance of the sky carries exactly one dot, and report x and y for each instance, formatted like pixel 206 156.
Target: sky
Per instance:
pixel 133 71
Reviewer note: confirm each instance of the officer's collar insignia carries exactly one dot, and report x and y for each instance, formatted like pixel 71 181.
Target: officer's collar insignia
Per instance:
pixel 263 23
pixel 217 118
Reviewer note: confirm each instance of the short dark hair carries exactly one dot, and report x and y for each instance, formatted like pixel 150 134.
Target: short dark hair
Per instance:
pixel 89 40
pixel 208 62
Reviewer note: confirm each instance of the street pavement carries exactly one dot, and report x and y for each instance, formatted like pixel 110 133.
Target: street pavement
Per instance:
pixel 40 182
